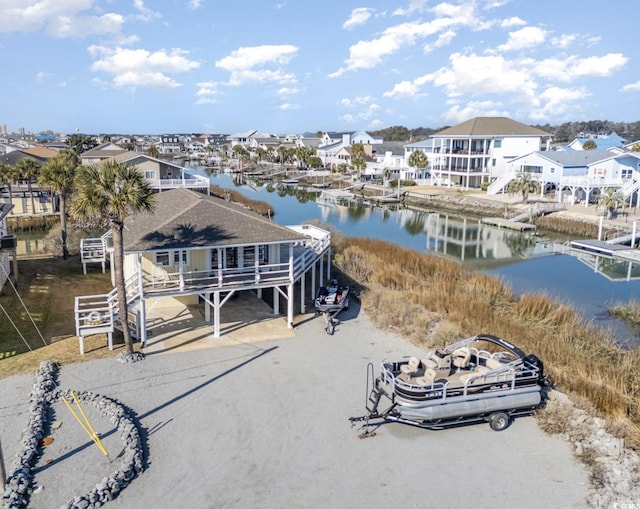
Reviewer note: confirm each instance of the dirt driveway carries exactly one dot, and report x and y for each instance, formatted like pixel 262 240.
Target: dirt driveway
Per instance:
pixel 265 424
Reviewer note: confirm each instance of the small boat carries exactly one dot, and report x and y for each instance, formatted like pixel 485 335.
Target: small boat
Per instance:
pixel 482 378
pixel 289 182
pixel 330 300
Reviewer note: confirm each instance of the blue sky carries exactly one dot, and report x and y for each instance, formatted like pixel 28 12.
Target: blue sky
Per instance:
pixel 290 66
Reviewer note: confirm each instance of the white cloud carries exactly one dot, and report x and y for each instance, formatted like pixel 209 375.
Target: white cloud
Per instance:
pixel 512 22
pixel 474 75
pixel 375 124
pixel 139 67
pixel 194 5
pixel 494 4
pixel 289 107
pixel 557 102
pixel 349 119
pixel 145 14
pixel 456 114
pixel 564 40
pixel 408 88
pixel 358 16
pixel 42 76
pixel 569 68
pixel 207 92
pixel 444 39
pixel 526 37
pixel 346 103
pixel 288 91
pixel 58 18
pixel 245 64
pixel 631 87
pixel 280 6
pixel 369 54
pixel 414 6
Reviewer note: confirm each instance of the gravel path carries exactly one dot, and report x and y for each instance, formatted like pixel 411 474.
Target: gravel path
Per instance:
pixel 266 425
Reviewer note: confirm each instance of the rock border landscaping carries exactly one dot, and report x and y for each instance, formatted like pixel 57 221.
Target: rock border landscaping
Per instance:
pixel 20 484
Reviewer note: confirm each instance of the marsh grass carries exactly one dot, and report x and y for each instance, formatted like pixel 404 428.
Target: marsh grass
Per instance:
pixel 629 312
pixel 565 225
pixel 413 293
pixel 258 206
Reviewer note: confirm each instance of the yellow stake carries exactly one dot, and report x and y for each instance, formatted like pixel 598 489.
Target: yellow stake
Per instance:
pixel 86 425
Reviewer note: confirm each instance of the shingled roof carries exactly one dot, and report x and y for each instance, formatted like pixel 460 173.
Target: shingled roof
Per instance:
pixel 187 219
pixel 491 126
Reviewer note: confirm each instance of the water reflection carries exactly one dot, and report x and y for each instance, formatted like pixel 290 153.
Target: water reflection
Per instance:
pixel 611 268
pixel 525 262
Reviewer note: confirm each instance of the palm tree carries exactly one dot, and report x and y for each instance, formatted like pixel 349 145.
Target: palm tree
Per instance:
pixel 610 199
pixel 59 174
pixel 386 174
pixel 28 169
pixel 153 151
pixel 8 175
pixel 112 192
pixel 524 185
pixel 589 145
pixel 418 159
pixel 359 164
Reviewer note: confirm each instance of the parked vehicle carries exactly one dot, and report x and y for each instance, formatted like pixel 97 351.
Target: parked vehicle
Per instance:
pixel 330 300
pixel 482 378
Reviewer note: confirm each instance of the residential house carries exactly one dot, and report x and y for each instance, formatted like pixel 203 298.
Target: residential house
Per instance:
pixel 388 155
pixel 101 152
pixel 580 175
pixel 28 198
pixel 603 141
pixel 163 175
pixel 170 144
pixel 245 138
pixel 197 250
pixel 480 149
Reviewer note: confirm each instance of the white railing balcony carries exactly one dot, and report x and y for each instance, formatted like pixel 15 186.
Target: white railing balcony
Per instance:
pixel 591 181
pixel 193 182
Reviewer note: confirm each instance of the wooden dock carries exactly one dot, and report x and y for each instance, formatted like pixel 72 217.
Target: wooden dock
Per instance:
pixel 507 223
pixel 383 199
pixel 605 248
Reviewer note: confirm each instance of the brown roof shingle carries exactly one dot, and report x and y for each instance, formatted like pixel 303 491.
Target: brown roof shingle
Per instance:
pixel 185 219
pixel 491 126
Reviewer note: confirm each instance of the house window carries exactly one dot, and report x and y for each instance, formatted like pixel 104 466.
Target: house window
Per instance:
pixel 177 255
pixel 626 173
pixel 171 258
pixel 150 174
pixel 162 258
pixel 497 143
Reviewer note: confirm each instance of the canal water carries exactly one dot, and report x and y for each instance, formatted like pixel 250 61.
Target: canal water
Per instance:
pixel 525 262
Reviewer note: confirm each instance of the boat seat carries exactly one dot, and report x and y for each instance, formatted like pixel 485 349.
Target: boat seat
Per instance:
pixel 461 357
pixel 411 367
pixel 476 377
pixel 429 363
pixel 493 363
pixel 427 379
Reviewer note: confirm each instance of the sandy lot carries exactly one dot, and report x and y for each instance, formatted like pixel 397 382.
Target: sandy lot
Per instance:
pixel 265 424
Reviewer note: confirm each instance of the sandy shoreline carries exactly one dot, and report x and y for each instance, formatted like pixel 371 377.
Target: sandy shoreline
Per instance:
pixel 266 425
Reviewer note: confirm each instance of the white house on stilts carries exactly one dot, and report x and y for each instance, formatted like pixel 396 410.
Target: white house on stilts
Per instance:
pixel 200 250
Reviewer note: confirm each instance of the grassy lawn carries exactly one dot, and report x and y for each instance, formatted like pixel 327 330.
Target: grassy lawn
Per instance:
pixel 47 287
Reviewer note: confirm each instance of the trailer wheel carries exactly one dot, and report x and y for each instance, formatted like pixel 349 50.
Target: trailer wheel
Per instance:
pixel 499 421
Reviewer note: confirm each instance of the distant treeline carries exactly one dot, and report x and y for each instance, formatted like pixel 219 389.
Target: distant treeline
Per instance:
pixel 562 133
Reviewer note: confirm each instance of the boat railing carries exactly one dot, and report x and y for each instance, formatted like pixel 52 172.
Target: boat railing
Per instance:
pixel 508 377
